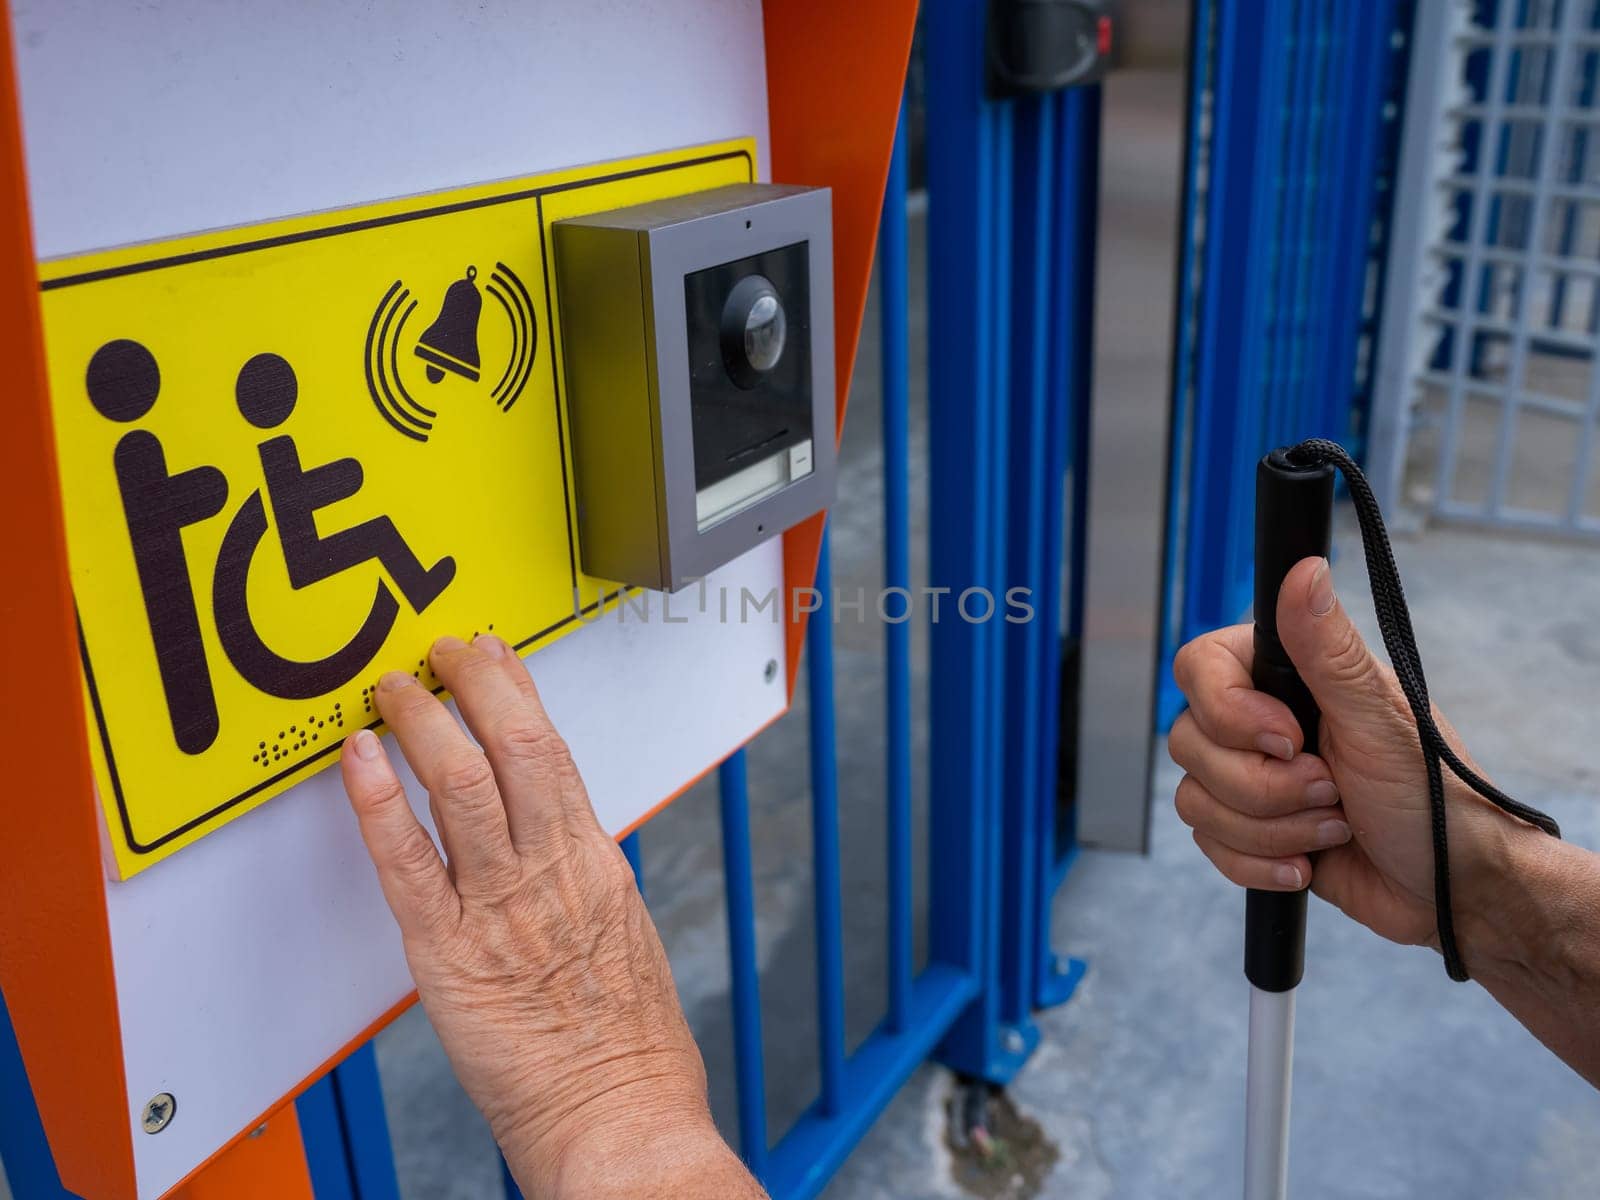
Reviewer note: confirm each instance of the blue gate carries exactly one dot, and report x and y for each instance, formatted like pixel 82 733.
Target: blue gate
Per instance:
pixel 1294 116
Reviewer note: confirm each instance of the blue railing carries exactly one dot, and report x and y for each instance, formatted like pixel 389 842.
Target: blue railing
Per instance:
pixel 345 1134
pixel 895 350
pixel 1292 114
pixel 1000 420
pixel 1010 277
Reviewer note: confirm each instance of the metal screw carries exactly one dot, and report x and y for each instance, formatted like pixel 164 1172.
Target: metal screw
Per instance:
pixel 158 1112
pixel 771 671
pixel 1012 1041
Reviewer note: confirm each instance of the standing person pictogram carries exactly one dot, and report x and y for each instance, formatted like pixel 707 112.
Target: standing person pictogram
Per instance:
pixel 123 382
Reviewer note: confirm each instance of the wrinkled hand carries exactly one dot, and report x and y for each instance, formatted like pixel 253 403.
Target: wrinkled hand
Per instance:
pixel 1259 806
pixel 532 951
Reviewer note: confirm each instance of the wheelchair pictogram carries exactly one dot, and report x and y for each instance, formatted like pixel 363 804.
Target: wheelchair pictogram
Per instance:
pixel 124 382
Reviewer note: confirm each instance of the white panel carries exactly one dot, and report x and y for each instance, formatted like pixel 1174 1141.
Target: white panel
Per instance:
pixel 247 959
pixel 170 116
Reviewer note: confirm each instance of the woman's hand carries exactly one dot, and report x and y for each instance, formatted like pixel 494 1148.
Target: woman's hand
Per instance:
pixel 1259 806
pixel 532 951
pixel 1524 903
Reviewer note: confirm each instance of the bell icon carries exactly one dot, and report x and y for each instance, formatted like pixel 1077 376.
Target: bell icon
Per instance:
pixel 451 342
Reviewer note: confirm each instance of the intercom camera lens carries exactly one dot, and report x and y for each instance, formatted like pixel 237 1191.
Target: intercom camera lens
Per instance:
pixel 754 329
pixel 764 329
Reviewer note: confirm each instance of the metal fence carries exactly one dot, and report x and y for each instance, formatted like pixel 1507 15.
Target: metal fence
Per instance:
pixel 1493 401
pixel 1294 108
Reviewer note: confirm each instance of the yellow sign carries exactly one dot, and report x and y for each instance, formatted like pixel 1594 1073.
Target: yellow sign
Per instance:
pixel 293 455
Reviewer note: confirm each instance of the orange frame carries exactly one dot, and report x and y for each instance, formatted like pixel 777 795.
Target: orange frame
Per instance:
pixel 835 72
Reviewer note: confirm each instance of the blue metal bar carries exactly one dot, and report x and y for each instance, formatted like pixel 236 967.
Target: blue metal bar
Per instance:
pixel 1330 112
pixel 749 1065
pixel 29 1167
pixel 825 842
pixel 322 1136
pixel 1032 654
pixel 1308 350
pixel 1399 35
pixel 1327 378
pixel 959 203
pixel 964 520
pixel 1067 399
pixel 346 1134
pixel 635 857
pixel 513 1192
pixel 1288 151
pixel 1271 66
pixel 809 1154
pixel 993 580
pixel 1227 378
pixel 1303 346
pixel 1197 162
pixel 1292 133
pixel 1328 390
pixel 893 304
pixel 1369 63
pixel 366 1129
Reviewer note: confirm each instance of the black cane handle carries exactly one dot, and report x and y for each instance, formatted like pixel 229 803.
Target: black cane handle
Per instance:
pixel 1294 520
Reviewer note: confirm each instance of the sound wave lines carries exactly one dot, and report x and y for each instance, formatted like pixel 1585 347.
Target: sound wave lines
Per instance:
pixel 449 346
pixel 388 392
pixel 507 289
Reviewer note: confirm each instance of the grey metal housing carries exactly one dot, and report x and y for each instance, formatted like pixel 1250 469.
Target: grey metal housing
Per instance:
pixel 620 288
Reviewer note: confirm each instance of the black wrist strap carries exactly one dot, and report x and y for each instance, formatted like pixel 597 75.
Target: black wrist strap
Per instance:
pixel 1394 620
